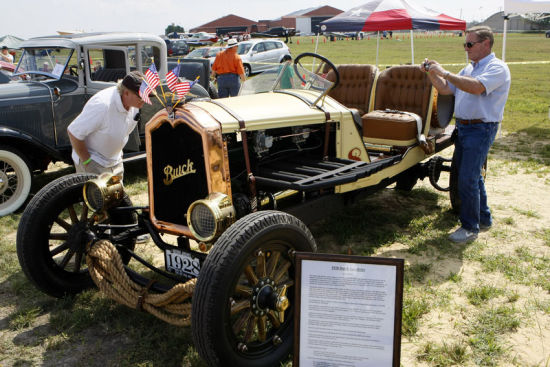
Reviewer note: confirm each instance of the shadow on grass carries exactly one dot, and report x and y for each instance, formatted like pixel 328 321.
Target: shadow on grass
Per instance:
pixel 411 225
pixel 87 330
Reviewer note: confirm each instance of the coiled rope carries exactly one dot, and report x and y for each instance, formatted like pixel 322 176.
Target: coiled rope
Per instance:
pixel 107 271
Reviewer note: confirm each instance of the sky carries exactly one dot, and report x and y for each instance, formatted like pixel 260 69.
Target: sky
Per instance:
pixel 40 18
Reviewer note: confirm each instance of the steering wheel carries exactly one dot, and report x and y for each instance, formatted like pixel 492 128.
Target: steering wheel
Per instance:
pixel 73 70
pixel 322 68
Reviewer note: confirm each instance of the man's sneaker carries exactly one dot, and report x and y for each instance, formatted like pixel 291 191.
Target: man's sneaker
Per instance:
pixel 462 235
pixel 484 227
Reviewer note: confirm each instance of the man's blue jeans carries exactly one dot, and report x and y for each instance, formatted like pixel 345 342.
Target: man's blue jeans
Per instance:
pixel 228 85
pixel 471 149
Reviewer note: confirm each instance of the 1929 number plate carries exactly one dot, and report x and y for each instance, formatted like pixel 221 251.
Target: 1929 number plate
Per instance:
pixel 181 263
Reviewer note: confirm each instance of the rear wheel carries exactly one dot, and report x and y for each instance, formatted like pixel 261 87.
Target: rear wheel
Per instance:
pixel 15 180
pixel 243 303
pixel 247 70
pixel 51 237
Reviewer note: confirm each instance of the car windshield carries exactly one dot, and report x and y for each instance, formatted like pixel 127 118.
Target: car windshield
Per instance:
pixel 214 51
pixel 44 62
pixel 306 75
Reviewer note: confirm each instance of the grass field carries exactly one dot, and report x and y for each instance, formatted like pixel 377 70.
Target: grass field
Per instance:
pixel 484 304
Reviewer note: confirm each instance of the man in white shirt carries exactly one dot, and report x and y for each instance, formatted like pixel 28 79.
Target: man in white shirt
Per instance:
pixel 5 55
pixel 101 130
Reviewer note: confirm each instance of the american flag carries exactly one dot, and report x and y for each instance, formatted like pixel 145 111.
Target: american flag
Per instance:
pixel 152 77
pixel 144 91
pixel 183 87
pixel 172 78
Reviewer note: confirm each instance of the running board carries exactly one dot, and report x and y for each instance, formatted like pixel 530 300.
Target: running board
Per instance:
pixel 308 175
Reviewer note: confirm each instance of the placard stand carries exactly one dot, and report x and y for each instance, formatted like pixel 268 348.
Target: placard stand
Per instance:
pixel 348 311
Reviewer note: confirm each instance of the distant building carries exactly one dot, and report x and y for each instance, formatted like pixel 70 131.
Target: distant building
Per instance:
pixel 515 23
pixel 227 24
pixel 305 21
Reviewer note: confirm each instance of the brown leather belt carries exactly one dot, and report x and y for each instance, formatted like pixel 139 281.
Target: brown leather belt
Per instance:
pixel 469 122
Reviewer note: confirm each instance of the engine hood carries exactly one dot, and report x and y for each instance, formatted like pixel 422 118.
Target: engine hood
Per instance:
pixel 22 89
pixel 271 110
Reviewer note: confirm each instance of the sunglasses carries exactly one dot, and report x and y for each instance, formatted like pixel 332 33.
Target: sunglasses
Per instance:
pixel 471 44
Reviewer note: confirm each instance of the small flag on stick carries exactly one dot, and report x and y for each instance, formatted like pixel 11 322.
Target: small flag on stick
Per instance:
pixel 152 77
pixel 172 78
pixel 144 91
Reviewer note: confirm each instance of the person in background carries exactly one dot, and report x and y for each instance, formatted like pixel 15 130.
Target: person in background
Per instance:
pixel 101 130
pixel 481 90
pixel 287 79
pixel 5 55
pixel 228 69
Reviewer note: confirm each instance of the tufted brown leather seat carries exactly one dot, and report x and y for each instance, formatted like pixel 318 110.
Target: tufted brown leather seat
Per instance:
pixel 354 89
pixel 401 88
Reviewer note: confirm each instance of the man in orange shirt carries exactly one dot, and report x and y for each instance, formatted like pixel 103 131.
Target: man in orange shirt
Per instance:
pixel 228 68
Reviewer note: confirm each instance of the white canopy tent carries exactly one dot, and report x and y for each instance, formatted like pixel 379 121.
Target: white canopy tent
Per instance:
pixel 521 7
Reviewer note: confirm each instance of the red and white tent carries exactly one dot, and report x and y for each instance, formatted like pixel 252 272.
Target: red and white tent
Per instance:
pixel 385 15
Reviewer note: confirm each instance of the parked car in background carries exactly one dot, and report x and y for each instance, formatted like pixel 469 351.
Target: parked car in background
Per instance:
pixel 208 52
pixel 275 32
pixel 60 73
pixel 169 50
pixel 260 54
pixel 179 47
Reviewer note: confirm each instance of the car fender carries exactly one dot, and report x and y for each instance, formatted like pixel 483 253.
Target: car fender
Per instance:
pixel 25 142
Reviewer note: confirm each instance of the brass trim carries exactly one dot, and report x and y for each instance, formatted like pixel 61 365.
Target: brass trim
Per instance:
pixel 215 157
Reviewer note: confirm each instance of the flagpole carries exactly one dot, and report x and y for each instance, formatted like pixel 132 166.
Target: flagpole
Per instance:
pixel 172 101
pixel 412 47
pixel 377 46
pixel 161 88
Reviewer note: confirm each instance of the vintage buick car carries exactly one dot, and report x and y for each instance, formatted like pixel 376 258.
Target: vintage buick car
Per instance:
pixel 235 181
pixel 59 74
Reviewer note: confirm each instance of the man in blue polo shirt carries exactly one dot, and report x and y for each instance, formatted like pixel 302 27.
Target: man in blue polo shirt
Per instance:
pixel 481 90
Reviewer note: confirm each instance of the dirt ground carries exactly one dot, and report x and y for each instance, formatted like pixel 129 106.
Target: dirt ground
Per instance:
pixel 510 194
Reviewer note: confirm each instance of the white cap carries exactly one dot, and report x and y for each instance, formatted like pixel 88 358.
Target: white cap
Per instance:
pixel 231 42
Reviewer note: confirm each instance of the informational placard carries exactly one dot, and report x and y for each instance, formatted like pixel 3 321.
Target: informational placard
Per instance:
pixel 348 311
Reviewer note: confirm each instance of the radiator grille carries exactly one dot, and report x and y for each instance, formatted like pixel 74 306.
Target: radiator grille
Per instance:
pixel 179 175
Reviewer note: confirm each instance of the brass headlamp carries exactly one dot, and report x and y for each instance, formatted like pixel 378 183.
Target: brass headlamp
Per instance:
pixel 103 192
pixel 208 218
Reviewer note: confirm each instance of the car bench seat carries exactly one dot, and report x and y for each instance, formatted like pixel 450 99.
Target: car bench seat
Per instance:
pixel 109 75
pixel 355 87
pixel 402 107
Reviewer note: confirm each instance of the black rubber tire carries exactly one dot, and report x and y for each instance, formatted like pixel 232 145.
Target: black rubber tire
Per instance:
pixel 40 220
pixel 407 179
pixel 16 177
pixel 212 91
pixel 453 184
pixel 247 70
pixel 274 233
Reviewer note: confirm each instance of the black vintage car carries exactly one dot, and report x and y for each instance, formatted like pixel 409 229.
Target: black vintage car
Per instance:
pixel 58 74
